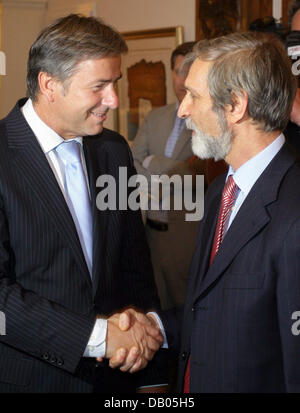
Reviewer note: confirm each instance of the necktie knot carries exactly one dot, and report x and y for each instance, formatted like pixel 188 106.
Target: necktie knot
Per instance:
pixel 69 152
pixel 229 191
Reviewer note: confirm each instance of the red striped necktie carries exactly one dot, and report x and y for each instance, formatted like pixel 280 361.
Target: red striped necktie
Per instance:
pixel 228 198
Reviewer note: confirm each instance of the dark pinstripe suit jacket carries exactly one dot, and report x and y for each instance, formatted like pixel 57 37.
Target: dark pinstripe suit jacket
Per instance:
pixel 46 292
pixel 237 320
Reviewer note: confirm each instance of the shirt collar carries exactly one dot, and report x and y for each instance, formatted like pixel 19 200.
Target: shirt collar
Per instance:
pixel 47 137
pixel 246 176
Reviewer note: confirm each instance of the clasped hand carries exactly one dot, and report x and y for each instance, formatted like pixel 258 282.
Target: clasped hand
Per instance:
pixel 132 340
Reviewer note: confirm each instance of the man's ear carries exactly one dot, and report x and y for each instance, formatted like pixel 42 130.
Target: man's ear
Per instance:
pixel 48 85
pixel 237 111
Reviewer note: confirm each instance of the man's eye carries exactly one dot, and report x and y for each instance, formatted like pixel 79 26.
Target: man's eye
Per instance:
pixel 98 87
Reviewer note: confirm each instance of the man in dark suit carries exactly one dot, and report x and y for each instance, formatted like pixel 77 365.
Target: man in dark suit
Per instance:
pixel 67 265
pixel 239 330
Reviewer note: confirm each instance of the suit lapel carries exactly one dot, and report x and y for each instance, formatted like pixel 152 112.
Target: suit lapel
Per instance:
pixel 201 258
pixel 100 219
pixel 251 218
pixel 30 161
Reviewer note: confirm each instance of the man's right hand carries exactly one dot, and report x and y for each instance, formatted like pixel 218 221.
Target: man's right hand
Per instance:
pixel 132 340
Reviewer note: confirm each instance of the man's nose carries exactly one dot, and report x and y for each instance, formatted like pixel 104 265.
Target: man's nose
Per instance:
pixel 183 109
pixel 110 99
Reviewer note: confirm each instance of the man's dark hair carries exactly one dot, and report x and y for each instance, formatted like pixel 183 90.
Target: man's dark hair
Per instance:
pixel 293 8
pixel 181 50
pixel 62 45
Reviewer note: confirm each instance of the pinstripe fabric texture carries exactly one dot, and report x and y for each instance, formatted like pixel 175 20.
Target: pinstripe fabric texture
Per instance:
pixel 238 311
pixel 228 198
pixel 46 292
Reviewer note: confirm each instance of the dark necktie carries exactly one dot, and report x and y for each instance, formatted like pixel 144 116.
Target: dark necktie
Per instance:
pixel 228 198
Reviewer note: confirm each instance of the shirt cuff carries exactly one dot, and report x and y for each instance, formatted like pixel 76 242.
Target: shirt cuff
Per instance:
pixel 165 343
pixel 96 346
pixel 147 160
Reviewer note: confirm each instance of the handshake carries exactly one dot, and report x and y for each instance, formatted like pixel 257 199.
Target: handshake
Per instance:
pixel 132 340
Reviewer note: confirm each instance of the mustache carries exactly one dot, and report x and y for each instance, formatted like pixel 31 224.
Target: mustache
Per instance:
pixel 191 125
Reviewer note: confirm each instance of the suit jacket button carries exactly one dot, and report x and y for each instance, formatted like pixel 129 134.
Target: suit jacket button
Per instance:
pixel 60 362
pixel 45 356
pixel 53 360
pixel 184 355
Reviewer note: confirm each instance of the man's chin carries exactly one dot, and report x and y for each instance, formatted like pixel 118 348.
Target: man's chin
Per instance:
pixel 205 148
pixel 95 130
pixel 198 148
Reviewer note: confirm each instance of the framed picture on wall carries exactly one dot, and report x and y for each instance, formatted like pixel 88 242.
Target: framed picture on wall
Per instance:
pixel 147 79
pixel 220 17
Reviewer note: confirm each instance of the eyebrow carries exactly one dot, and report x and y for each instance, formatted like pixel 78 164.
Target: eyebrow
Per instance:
pixel 190 89
pixel 107 80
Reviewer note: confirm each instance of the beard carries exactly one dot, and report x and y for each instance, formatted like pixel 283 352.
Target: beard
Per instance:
pixel 207 146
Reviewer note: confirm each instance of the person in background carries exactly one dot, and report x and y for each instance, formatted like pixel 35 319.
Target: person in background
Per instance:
pixel 67 264
pixel 163 146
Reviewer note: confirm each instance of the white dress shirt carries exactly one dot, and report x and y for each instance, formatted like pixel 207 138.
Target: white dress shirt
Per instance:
pixel 49 140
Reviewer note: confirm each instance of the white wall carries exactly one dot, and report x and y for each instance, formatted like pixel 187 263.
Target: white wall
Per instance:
pixel 21 22
pixel 144 14
pixel 127 15
pixel 130 15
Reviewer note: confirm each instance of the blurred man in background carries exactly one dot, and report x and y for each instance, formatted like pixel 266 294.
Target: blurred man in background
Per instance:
pixel 163 146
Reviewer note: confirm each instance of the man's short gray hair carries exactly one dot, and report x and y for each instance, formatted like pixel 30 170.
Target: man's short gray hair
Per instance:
pixel 254 63
pixel 62 45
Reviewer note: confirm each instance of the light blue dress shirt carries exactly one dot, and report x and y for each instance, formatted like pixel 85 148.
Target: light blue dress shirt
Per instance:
pixel 246 176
